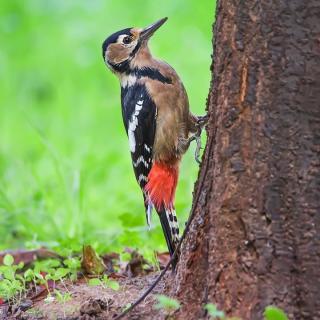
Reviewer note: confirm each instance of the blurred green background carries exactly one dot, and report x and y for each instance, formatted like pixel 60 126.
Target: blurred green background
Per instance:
pixel 65 170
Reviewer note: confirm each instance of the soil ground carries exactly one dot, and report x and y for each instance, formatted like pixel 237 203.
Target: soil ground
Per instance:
pixel 96 302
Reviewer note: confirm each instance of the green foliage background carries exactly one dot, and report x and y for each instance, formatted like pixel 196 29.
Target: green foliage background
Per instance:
pixel 65 171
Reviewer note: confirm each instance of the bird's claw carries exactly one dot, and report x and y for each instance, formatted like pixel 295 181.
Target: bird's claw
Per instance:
pixel 202 121
pixel 198 148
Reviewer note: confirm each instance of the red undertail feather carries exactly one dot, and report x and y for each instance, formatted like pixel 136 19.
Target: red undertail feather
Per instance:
pixel 162 183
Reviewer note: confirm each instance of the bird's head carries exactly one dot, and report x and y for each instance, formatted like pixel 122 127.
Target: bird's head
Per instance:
pixel 121 48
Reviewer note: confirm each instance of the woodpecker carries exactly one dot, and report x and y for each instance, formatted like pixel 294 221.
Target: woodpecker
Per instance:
pixel 157 120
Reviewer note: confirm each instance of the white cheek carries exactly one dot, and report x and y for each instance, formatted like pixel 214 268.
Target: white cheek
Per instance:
pixel 132 44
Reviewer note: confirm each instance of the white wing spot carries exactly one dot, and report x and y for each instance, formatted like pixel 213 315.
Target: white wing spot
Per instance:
pixel 147 148
pixel 133 123
pixel 142 177
pixel 131 128
pixel 139 160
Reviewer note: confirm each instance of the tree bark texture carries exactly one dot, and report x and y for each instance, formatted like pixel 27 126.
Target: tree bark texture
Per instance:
pixel 255 238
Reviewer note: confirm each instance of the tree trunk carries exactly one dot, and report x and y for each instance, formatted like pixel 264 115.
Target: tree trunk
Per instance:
pixel 255 238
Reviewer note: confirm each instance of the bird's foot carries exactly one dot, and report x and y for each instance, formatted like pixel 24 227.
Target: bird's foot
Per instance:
pixel 198 148
pixel 202 121
pixel 197 138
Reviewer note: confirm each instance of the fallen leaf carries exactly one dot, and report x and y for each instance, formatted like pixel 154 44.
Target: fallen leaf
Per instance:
pixel 110 260
pixel 163 258
pixel 116 275
pixel 94 307
pixel 29 256
pixel 91 262
pixel 42 291
pixel 137 265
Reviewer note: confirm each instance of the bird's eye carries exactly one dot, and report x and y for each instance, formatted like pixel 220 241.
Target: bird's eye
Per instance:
pixel 126 40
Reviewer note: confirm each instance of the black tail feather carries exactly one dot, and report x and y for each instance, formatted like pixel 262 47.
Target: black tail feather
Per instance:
pixel 171 242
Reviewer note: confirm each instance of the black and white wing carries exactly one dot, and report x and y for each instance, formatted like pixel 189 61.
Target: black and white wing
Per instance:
pixel 139 117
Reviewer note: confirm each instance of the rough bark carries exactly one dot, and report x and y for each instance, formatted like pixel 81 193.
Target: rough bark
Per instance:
pixel 255 239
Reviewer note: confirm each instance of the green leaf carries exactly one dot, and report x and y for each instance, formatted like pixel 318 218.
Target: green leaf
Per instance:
pixel 62 297
pixel 20 265
pixel 127 306
pixel 114 285
pixel 39 276
pixel 48 277
pixel 72 263
pixel 47 266
pixel 274 313
pixel 8 273
pixel 125 256
pixel 62 272
pixel 167 303
pixel 8 260
pixel 94 282
pixel 58 294
pixel 73 276
pixel 214 312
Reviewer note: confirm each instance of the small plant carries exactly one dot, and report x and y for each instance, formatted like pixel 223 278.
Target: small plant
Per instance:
pixel 105 282
pixel 94 282
pixel 12 285
pixel 213 311
pixel 73 265
pixel 37 277
pixel 62 297
pixel 166 303
pixel 270 313
pixel 35 313
pixel 274 313
pixel 216 314
pixel 127 306
pixel 112 284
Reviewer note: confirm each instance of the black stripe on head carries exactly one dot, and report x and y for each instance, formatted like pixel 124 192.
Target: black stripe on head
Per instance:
pixel 135 50
pixel 113 39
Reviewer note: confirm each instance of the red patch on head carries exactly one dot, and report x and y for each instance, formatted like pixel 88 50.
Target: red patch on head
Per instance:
pixel 162 183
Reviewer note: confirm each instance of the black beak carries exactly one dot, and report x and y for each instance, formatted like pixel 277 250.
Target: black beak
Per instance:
pixel 147 32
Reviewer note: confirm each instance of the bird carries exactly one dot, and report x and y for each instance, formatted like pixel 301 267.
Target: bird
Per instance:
pixel 157 120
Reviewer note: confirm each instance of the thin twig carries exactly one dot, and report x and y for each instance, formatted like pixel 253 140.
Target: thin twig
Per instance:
pixel 163 272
